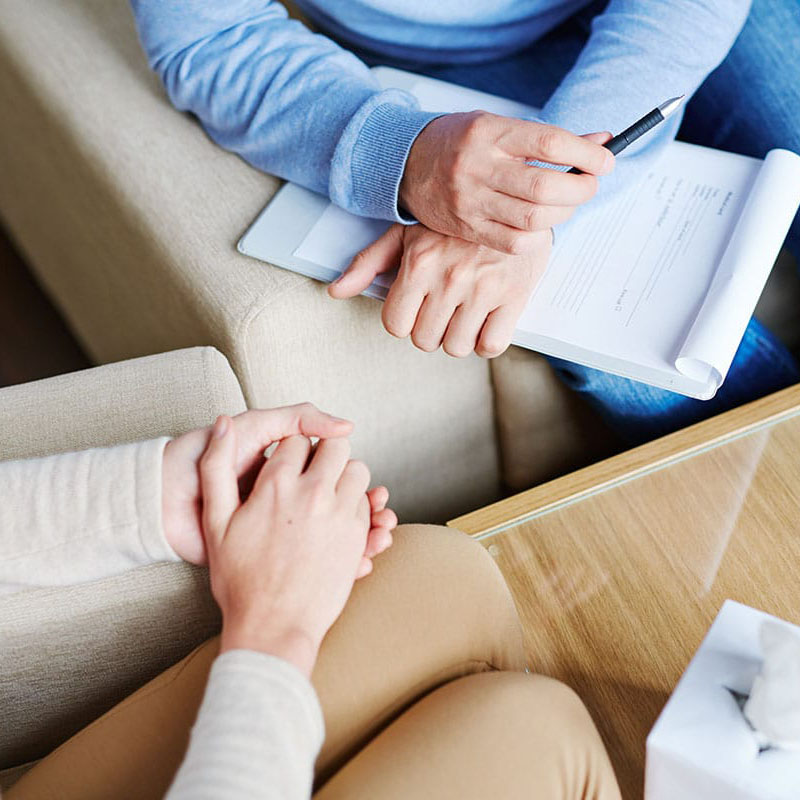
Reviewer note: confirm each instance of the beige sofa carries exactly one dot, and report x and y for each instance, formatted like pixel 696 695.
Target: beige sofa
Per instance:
pixel 129 216
pixel 69 654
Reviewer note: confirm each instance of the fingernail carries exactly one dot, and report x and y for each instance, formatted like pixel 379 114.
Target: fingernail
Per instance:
pixel 340 419
pixel 220 427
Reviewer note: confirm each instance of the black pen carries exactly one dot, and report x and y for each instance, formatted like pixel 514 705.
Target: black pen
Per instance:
pixel 619 142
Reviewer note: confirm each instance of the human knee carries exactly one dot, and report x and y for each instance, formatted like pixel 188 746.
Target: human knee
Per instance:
pixel 534 730
pixel 455 592
pixel 573 746
pixel 448 559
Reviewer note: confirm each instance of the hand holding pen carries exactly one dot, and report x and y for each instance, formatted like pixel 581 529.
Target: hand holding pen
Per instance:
pixel 616 144
pixel 467 175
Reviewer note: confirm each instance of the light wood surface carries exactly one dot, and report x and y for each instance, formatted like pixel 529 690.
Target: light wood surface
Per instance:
pixel 617 585
pixel 630 464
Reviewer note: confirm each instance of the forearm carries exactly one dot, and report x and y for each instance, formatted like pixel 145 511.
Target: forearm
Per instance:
pixel 257 734
pixel 640 53
pixel 79 517
pixel 290 102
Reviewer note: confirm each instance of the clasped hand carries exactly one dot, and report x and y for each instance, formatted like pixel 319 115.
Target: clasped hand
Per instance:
pixel 466 272
pixel 285 537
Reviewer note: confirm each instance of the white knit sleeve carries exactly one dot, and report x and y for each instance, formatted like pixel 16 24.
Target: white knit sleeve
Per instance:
pixel 83 516
pixel 257 734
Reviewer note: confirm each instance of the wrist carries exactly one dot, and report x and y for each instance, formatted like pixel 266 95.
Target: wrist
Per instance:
pixel 404 200
pixel 406 195
pixel 293 645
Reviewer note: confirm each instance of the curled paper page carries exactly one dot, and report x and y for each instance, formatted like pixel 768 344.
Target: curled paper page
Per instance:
pixel 773 708
pixel 738 282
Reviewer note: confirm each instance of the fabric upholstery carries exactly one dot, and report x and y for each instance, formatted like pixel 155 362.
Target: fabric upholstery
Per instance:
pixel 561 435
pixel 162 395
pixel 68 654
pixel 129 216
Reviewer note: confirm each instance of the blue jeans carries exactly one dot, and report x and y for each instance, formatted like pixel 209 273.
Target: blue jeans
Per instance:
pixel 749 104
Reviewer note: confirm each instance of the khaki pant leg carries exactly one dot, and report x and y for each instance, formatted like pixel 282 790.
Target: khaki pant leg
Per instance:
pixel 502 735
pixel 435 608
pixel 133 751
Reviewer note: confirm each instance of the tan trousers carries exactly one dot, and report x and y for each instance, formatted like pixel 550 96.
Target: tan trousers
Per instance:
pixel 422 691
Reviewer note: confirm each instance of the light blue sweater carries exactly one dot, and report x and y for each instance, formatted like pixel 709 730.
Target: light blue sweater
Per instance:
pixel 295 104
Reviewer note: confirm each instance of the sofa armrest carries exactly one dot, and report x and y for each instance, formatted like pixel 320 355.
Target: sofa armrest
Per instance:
pixel 69 654
pixel 143 398
pixel 128 214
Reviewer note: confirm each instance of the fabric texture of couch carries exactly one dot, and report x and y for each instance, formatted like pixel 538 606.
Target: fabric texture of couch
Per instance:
pixel 69 654
pixel 129 215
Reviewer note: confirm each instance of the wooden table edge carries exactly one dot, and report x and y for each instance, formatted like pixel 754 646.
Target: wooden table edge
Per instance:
pixel 630 464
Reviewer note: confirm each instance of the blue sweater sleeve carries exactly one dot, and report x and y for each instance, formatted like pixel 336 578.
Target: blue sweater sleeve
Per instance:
pixel 290 102
pixel 640 53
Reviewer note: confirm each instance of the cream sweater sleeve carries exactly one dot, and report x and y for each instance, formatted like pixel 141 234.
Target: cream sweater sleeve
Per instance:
pixel 82 516
pixel 257 735
pixel 79 517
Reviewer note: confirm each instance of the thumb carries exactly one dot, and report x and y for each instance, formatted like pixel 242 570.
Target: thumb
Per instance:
pixel 381 256
pixel 598 138
pixel 219 481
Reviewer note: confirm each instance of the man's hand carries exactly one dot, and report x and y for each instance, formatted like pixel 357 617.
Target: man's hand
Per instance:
pixel 255 431
pixel 466 176
pixel 448 292
pixel 283 562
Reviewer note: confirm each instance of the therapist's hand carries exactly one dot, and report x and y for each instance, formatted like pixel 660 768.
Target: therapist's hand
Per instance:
pixel 255 431
pixel 448 292
pixel 466 176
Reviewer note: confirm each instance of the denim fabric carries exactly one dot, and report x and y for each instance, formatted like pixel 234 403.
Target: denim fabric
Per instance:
pixel 749 104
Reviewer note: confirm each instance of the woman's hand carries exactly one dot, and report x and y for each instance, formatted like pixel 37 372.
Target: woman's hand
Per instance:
pixel 448 292
pixel 283 562
pixel 256 430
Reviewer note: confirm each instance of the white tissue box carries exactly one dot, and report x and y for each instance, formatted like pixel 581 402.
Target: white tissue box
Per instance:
pixel 702 747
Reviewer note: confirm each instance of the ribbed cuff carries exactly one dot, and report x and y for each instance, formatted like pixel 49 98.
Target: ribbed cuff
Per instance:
pixel 149 501
pixel 379 158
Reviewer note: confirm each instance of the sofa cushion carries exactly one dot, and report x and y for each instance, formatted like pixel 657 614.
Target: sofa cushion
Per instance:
pixel 545 430
pixel 68 654
pixel 129 214
pixel 143 398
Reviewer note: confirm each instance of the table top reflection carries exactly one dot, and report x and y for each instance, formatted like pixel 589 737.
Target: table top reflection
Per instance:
pixel 617 581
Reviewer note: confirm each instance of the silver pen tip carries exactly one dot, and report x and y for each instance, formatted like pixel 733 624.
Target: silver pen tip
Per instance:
pixel 670 106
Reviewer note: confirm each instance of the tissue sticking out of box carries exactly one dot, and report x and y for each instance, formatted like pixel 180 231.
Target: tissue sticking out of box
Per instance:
pixel 773 708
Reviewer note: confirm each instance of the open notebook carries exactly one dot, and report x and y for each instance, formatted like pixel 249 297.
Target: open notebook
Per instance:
pixel 656 285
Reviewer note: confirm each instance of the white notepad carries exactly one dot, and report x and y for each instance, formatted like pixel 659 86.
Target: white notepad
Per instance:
pixel 657 285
